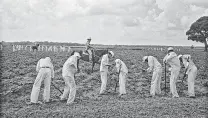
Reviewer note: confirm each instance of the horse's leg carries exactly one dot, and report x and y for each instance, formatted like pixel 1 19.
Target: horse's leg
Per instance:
pixel 78 66
pixel 93 64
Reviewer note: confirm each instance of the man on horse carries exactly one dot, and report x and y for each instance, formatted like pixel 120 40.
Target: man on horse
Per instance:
pixel 88 48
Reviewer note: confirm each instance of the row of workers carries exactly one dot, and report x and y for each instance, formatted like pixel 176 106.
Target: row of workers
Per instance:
pixel 46 72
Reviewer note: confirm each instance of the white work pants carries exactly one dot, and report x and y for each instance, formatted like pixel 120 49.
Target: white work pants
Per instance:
pixel 122 83
pixel 103 75
pixel 191 79
pixel 43 74
pixel 155 83
pixel 70 89
pixel 173 80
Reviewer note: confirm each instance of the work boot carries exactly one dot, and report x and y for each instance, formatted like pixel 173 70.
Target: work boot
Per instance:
pixel 175 97
pixel 71 103
pixel 104 93
pixel 63 99
pixel 151 96
pixel 192 96
pixel 121 95
pixel 50 100
pixel 38 103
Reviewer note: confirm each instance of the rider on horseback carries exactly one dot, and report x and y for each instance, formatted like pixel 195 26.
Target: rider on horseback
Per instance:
pixel 88 48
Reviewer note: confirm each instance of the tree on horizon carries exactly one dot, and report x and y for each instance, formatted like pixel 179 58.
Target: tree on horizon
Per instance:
pixel 199 31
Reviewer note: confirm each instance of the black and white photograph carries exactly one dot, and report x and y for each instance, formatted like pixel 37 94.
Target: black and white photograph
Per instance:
pixel 104 58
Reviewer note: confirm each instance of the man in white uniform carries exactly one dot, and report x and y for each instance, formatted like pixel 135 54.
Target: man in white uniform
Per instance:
pixel 172 59
pixel 191 71
pixel 122 71
pixel 68 72
pixel 156 67
pixel 104 70
pixel 45 72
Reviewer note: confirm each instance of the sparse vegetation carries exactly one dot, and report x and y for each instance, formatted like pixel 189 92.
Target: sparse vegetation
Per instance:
pixel 18 74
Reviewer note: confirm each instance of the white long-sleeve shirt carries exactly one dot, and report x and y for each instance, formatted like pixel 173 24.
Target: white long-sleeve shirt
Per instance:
pixel 120 65
pixel 70 66
pixel 104 63
pixel 45 63
pixel 153 64
pixel 172 59
pixel 187 61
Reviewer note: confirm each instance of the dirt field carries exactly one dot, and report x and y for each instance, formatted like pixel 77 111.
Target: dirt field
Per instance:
pixel 18 74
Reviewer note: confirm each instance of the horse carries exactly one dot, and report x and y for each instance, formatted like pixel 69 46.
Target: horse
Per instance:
pixel 96 55
pixel 35 47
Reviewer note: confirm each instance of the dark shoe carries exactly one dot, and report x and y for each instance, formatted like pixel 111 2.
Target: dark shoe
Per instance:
pixel 120 95
pixel 192 97
pixel 104 93
pixel 151 96
pixel 31 103
pixel 63 100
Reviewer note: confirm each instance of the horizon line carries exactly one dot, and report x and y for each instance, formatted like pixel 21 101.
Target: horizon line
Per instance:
pixel 100 44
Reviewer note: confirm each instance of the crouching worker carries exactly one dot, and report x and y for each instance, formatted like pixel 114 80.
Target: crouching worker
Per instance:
pixel 191 71
pixel 156 67
pixel 68 72
pixel 45 72
pixel 104 71
pixel 122 71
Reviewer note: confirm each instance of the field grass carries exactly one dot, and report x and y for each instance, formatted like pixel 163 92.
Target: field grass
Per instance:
pixel 18 74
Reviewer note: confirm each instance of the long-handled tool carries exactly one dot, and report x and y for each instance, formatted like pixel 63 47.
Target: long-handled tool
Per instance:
pixel 165 78
pixel 118 78
pixel 185 73
pixel 56 87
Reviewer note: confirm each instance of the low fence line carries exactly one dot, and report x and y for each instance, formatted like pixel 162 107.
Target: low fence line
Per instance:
pixel 42 48
pixel 60 48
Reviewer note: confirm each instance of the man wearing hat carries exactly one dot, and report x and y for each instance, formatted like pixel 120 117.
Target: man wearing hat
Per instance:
pixel 68 72
pixel 104 70
pixel 191 71
pixel 156 67
pixel 172 59
pixel 45 73
pixel 88 48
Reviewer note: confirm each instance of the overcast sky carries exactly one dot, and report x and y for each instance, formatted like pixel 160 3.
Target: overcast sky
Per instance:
pixel 142 22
